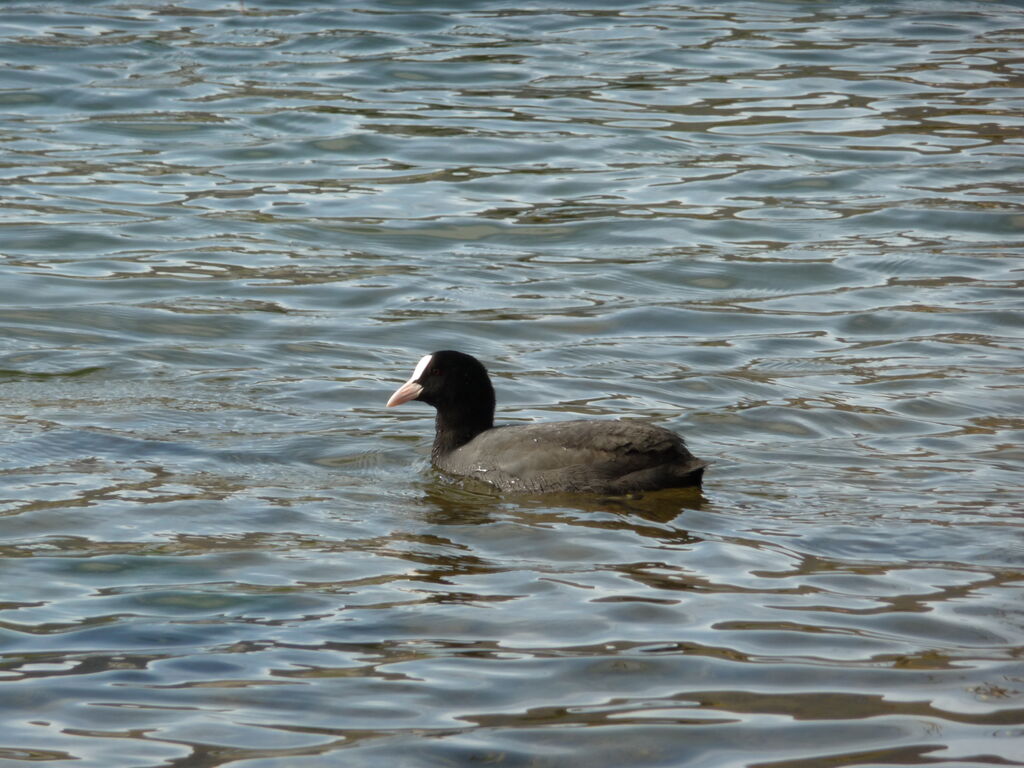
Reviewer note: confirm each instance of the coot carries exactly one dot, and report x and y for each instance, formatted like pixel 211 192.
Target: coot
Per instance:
pixel 577 456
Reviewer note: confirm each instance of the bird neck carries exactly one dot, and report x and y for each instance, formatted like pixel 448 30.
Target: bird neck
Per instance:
pixel 454 430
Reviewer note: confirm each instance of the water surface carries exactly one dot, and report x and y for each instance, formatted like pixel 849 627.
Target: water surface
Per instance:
pixel 789 230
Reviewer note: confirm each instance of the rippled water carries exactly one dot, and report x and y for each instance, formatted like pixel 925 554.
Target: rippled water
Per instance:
pixel 790 230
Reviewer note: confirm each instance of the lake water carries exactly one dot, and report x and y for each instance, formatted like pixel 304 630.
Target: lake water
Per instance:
pixel 791 231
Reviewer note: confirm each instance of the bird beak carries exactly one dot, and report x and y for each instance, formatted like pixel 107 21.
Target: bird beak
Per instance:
pixel 408 391
pixel 412 388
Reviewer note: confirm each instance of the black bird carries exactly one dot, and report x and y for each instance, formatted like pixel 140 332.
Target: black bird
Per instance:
pixel 612 457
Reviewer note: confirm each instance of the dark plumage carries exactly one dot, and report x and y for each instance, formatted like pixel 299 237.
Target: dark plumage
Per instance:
pixel 583 456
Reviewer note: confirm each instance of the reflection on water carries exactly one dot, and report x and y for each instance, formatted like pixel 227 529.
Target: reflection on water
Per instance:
pixel 787 230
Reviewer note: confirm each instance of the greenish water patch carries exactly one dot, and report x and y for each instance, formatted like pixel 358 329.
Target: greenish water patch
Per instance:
pixel 41 375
